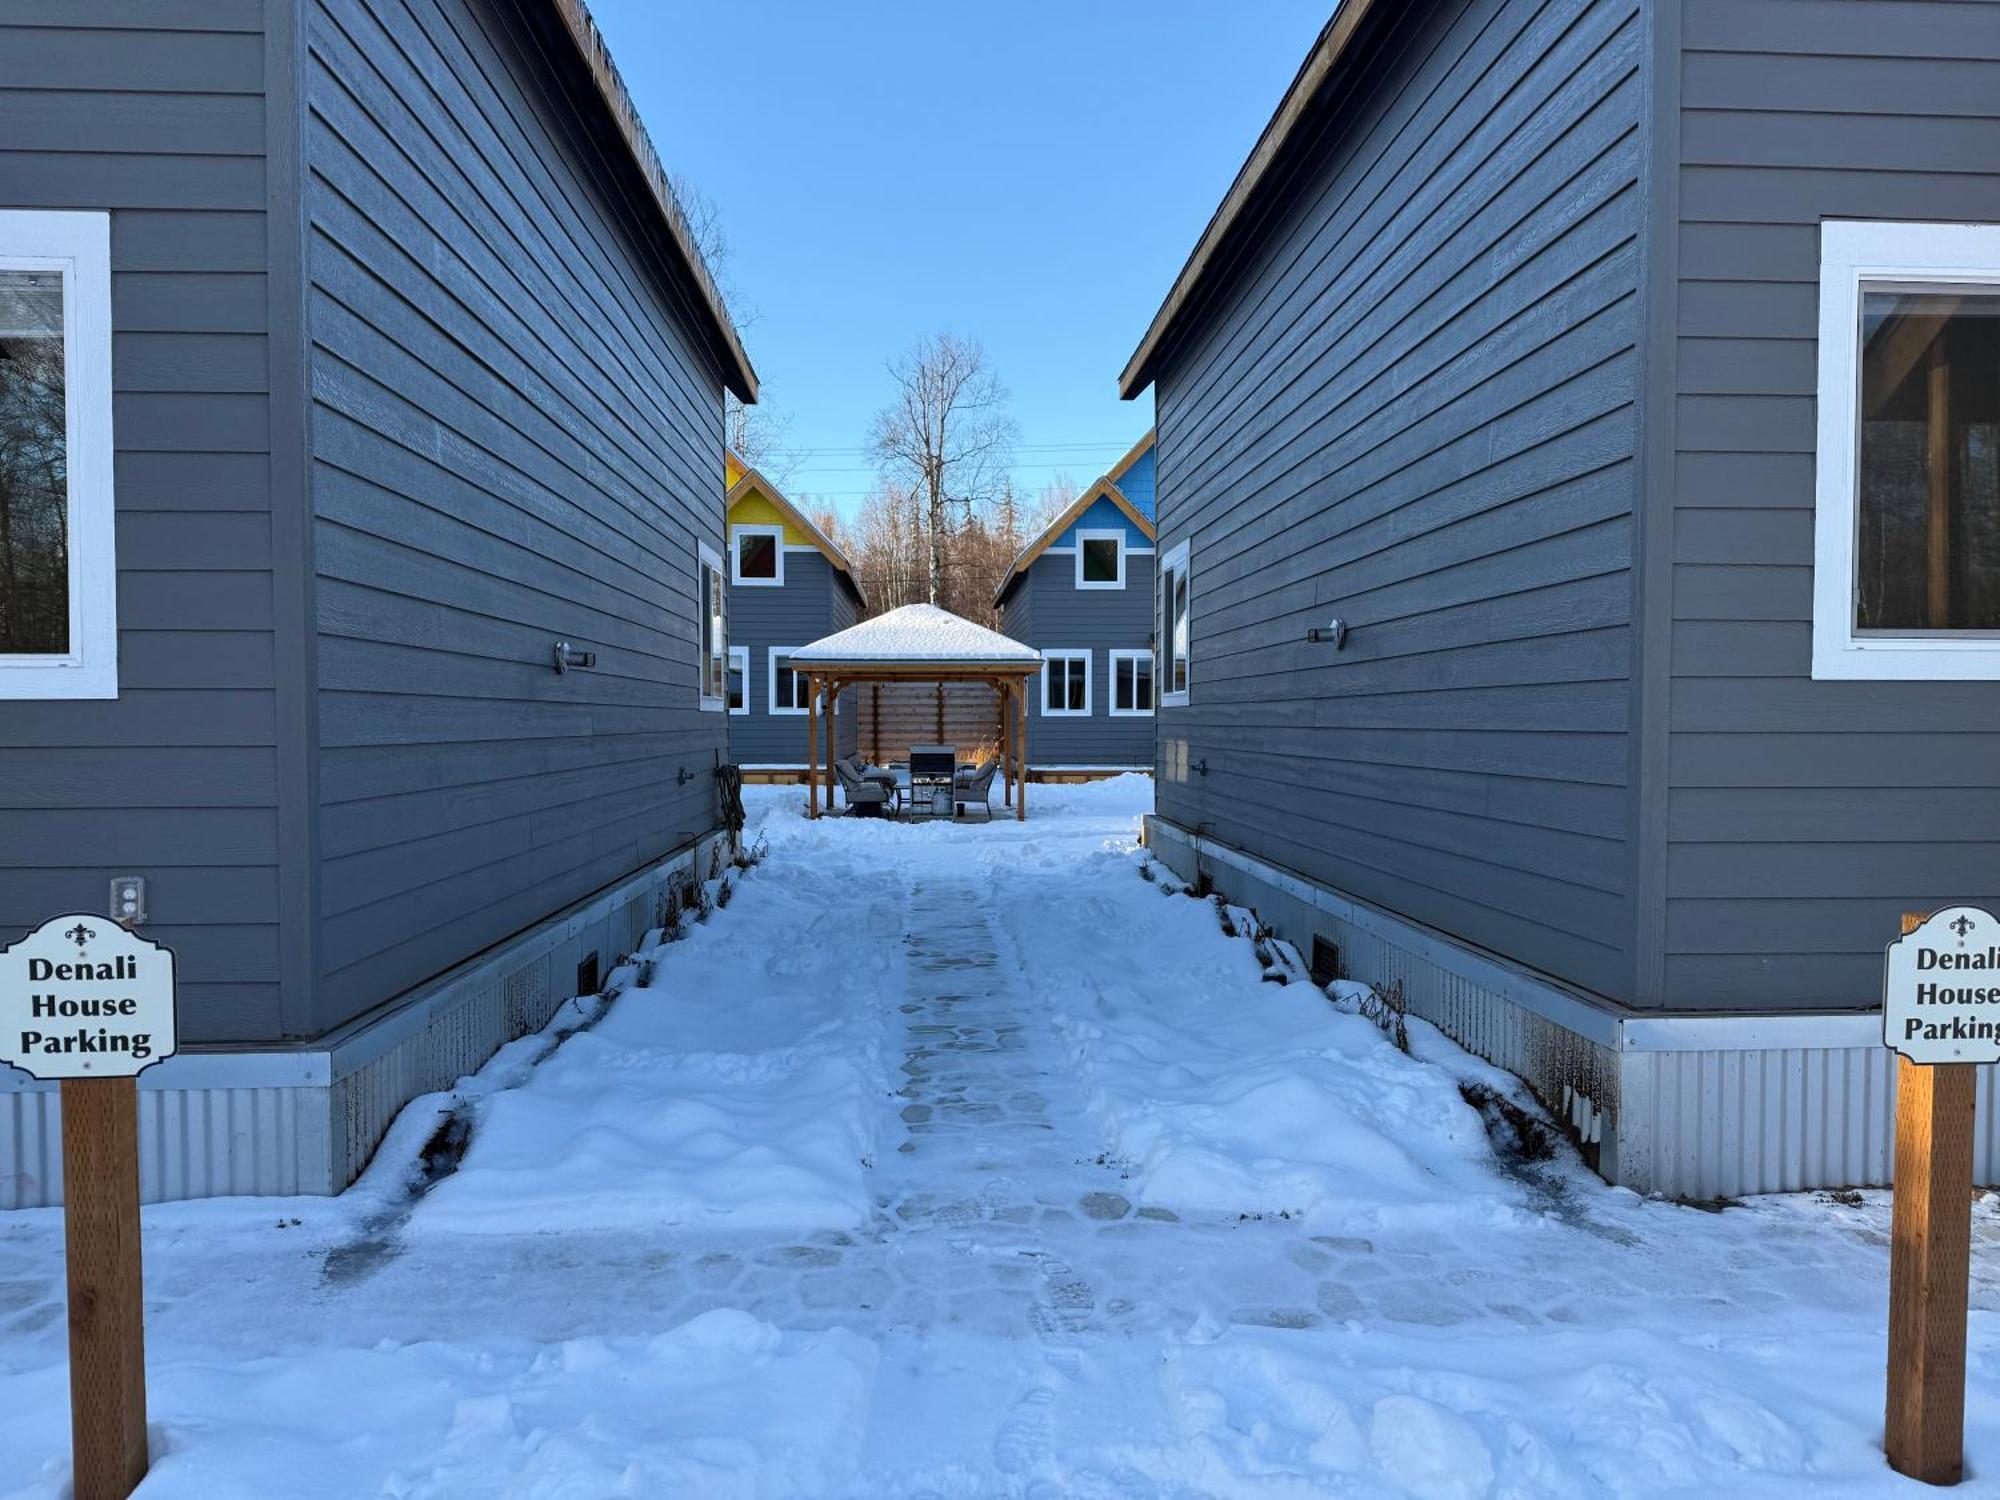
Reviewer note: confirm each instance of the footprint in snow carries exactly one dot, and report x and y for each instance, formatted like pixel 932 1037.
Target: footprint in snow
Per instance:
pixel 1023 1439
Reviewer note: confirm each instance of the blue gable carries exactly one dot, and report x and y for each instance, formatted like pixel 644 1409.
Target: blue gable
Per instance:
pixel 1139 484
pixel 1104 515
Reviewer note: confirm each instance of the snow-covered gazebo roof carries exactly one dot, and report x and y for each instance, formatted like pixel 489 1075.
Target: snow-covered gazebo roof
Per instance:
pixel 920 643
pixel 914 638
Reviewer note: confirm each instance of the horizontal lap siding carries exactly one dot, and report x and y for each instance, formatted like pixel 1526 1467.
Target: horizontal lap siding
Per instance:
pixel 515 441
pixel 156 114
pixel 1804 816
pixel 1412 408
pixel 1098 621
pixel 811 606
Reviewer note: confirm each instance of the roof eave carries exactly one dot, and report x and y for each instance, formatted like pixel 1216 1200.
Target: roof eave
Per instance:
pixel 1326 52
pixel 738 375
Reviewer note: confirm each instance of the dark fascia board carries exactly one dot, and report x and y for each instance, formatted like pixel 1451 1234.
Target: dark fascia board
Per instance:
pixel 571 21
pixel 1296 107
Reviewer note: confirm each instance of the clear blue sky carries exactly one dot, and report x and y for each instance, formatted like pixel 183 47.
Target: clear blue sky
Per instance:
pixel 1031 174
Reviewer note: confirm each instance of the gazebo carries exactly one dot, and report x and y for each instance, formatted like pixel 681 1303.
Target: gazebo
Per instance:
pixel 921 643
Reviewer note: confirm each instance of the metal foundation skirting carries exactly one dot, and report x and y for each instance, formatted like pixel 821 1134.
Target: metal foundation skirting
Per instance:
pixel 1689 1106
pixel 306 1119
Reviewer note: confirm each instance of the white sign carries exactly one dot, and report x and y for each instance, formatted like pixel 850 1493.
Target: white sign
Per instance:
pixel 1941 989
pixel 81 997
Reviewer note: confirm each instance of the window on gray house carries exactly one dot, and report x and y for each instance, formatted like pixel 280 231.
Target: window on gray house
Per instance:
pixel 756 555
pixel 1132 682
pixel 1065 682
pixel 34 467
pixel 1928 550
pixel 1101 559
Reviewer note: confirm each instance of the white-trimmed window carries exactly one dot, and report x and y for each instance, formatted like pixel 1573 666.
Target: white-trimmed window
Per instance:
pixel 714 606
pixel 58 566
pixel 788 688
pixel 1173 630
pixel 1100 559
pixel 738 680
pixel 1131 684
pixel 1906 575
pixel 757 556
pixel 1065 684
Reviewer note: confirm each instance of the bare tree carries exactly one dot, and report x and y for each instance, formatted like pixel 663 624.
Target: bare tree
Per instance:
pixel 756 434
pixel 947 438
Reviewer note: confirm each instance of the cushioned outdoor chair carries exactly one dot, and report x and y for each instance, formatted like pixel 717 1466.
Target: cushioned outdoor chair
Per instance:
pixel 973 787
pixel 866 796
pixel 865 787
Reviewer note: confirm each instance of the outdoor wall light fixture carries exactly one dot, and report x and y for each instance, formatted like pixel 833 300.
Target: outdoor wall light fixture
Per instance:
pixel 683 776
pixel 1333 630
pixel 568 656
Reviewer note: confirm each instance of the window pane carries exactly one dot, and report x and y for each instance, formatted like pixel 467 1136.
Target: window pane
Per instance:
pixel 1078 686
pixel 34 467
pixel 1928 548
pixel 1122 669
pixel 1179 680
pixel 1142 699
pixel 735 683
pixel 784 694
pixel 1100 560
pixel 756 555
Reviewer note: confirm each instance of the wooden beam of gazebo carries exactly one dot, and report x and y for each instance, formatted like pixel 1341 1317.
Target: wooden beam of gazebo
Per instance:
pixel 919 643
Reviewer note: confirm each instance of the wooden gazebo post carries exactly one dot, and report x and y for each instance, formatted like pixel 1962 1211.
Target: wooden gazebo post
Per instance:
pixel 1005 688
pixel 1021 797
pixel 812 747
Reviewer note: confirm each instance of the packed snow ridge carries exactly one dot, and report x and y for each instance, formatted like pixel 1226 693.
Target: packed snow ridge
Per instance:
pixel 963 1161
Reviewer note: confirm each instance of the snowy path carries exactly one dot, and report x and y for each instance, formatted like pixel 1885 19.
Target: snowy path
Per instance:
pixel 962 1162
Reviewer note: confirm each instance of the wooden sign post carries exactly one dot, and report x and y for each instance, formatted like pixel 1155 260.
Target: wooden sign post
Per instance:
pixel 1941 1015
pixel 87 1002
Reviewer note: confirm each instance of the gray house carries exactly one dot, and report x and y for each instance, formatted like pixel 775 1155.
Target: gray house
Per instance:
pixel 1623 377
pixel 353 354
pixel 1081 593
pixel 789 586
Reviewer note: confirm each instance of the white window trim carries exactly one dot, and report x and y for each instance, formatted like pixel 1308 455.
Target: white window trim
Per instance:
pixel 1176 560
pixel 777 534
pixel 739 661
pixel 707 557
pixel 1112 659
pixel 1854 255
pixel 79 246
pixel 1089 686
pixel 1104 534
pixel 771 683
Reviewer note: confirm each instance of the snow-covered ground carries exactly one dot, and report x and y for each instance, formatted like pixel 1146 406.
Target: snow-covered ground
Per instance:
pixel 962 1161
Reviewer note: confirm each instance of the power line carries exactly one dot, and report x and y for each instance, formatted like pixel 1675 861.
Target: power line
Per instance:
pixel 1108 445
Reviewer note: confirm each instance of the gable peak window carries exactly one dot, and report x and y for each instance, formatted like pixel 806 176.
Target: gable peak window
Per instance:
pixel 757 555
pixel 1907 526
pixel 1100 559
pixel 58 572
pixel 1065 683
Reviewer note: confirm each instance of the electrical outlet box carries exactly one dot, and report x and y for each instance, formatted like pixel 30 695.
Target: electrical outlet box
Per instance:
pixel 128 899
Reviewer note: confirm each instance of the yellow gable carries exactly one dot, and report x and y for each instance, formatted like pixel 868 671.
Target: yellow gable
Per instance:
pixel 731 470
pixel 752 509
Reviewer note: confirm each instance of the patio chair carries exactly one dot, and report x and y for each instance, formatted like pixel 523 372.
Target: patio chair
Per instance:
pixel 867 792
pixel 973 787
